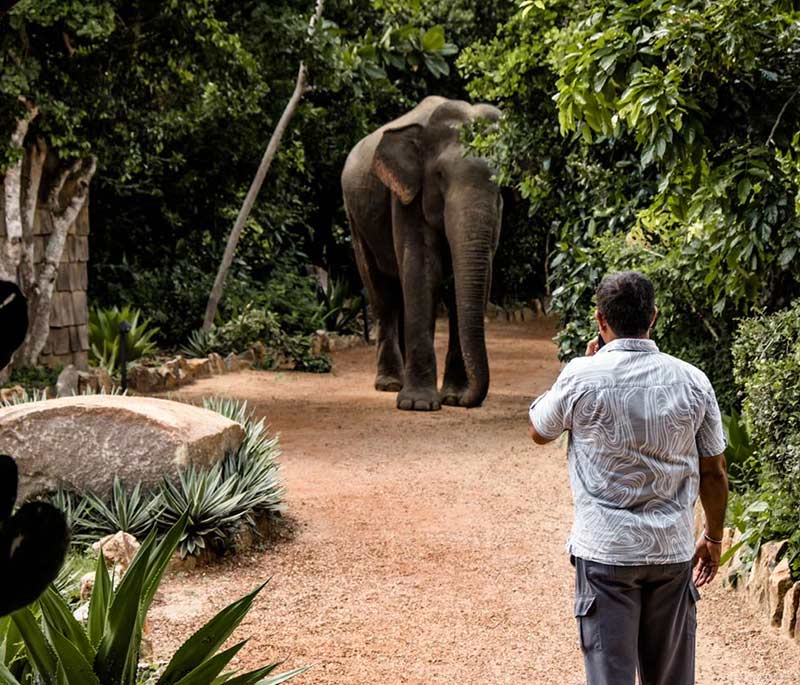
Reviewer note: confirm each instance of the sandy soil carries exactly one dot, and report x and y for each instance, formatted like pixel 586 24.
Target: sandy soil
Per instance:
pixel 429 547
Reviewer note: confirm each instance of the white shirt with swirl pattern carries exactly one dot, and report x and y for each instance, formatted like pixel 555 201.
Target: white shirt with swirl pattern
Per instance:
pixel 639 421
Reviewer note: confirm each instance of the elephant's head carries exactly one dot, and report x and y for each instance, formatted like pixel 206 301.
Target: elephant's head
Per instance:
pixel 426 163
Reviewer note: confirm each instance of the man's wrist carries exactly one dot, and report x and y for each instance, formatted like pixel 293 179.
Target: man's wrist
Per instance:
pixel 712 539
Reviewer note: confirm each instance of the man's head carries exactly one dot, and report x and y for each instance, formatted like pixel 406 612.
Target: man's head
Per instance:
pixel 625 305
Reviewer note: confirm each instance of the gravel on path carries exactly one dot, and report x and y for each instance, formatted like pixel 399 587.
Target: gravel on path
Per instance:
pixel 429 547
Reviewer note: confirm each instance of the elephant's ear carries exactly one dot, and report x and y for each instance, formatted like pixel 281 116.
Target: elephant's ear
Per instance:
pixel 398 161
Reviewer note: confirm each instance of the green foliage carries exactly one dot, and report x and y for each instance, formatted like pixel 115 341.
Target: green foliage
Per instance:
pixel 77 564
pixel 340 308
pixel 37 378
pixel 221 501
pixel 768 371
pixel 131 511
pixel 668 147
pixel 58 650
pixel 739 453
pixel 249 326
pixel 211 501
pixel 105 336
pixel 252 325
pixel 767 441
pixel 291 296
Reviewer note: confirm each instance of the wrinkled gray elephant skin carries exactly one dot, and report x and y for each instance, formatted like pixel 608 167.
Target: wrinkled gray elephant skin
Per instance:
pixel 420 208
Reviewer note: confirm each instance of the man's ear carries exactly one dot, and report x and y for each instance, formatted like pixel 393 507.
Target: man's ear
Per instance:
pixel 602 322
pixel 398 161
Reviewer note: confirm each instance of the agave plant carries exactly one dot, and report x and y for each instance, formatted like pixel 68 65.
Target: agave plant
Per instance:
pixel 132 512
pixel 340 308
pixel 213 506
pixel 56 649
pixel 201 343
pixel 253 467
pixel 104 335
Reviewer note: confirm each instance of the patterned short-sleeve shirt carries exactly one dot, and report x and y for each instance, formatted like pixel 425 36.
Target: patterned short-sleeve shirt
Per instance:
pixel 639 421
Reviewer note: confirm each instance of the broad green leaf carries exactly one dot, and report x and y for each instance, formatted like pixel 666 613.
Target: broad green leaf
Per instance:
pixel 99 602
pixel 208 639
pixel 118 651
pixel 39 651
pixel 211 668
pixel 725 558
pixel 77 670
pixel 59 619
pixel 433 39
pixel 253 677
pixel 160 559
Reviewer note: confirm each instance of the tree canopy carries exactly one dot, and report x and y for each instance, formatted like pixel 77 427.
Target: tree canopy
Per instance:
pixel 656 135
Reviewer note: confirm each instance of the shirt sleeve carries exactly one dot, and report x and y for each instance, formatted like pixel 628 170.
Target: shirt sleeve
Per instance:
pixel 710 436
pixel 551 413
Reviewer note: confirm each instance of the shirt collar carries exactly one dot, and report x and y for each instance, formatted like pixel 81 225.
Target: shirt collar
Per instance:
pixel 630 345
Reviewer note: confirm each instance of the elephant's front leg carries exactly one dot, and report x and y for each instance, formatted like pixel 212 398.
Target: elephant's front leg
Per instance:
pixel 421 273
pixel 455 384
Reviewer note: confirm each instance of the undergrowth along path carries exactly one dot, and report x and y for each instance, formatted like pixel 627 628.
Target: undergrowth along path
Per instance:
pixel 428 547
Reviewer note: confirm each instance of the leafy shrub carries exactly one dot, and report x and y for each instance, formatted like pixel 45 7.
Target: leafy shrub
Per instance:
pixel 767 371
pixel 220 501
pixel 253 325
pixel 104 335
pixel 739 454
pixel 58 650
pixel 762 514
pixel 249 326
pixel 291 296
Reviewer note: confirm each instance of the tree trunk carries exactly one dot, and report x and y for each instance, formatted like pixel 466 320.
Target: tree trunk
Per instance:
pixel 41 296
pixel 300 88
pixel 17 260
pixel 11 253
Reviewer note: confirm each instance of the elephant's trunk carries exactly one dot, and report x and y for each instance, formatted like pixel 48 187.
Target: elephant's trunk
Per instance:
pixel 471 234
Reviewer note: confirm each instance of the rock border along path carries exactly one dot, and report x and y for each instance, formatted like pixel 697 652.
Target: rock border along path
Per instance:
pixel 428 547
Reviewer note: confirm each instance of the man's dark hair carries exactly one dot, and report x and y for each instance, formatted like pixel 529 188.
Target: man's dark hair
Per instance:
pixel 627 300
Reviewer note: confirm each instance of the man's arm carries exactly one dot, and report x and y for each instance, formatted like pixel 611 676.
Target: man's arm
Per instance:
pixel 551 413
pixel 538 439
pixel 714 498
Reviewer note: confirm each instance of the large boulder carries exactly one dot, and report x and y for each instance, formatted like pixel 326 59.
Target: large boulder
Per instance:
pixel 83 442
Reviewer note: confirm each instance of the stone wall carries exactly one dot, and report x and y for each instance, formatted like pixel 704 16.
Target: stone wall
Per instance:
pixel 766 584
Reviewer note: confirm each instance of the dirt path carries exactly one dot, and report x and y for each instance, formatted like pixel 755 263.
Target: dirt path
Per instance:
pixel 430 547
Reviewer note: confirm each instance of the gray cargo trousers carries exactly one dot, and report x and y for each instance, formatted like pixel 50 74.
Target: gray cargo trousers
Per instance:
pixel 636 617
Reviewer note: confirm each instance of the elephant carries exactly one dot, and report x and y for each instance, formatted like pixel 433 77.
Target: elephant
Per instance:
pixel 420 209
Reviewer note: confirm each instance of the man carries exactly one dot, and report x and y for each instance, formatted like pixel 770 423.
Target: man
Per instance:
pixel 645 439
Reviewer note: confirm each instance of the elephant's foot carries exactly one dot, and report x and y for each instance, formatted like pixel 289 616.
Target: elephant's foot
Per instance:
pixel 388 383
pixel 453 395
pixel 419 399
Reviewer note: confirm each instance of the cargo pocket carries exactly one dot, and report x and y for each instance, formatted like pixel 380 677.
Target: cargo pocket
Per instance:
pixel 588 628
pixel 691 611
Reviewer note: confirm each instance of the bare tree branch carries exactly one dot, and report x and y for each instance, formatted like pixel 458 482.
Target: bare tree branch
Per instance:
pixel 780 115
pixel 53 198
pixel 300 88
